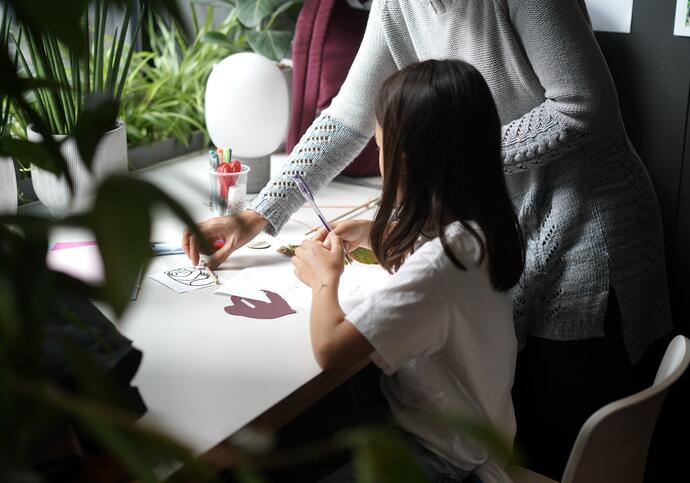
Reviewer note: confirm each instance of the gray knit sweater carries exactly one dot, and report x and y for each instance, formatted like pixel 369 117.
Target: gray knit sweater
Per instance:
pixel 584 199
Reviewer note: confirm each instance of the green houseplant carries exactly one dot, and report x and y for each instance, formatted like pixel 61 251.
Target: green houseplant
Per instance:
pixel 163 100
pixel 8 180
pixel 264 26
pixel 33 400
pixel 84 80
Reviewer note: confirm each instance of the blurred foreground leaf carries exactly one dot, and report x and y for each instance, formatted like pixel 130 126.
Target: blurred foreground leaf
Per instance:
pixel 97 118
pixel 136 447
pixel 27 152
pixel 121 220
pixel 381 456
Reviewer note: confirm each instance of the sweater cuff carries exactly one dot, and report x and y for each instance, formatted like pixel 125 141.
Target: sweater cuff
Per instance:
pixel 324 150
pixel 273 211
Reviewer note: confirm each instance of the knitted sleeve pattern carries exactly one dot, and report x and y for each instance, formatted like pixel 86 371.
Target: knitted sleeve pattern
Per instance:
pixel 324 150
pixel 337 135
pixel 581 102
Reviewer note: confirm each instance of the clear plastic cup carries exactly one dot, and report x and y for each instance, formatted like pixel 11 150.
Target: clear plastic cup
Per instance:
pixel 228 191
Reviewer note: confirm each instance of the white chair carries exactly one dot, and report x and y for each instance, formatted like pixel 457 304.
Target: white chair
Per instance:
pixel 613 443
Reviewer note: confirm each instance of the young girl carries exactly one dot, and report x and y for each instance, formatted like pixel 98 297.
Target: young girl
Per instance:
pixel 442 327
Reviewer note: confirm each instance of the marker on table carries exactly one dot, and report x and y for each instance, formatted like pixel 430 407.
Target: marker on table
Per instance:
pixel 161 248
pixel 306 193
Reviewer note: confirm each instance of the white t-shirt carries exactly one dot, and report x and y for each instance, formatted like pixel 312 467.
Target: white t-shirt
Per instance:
pixel 446 342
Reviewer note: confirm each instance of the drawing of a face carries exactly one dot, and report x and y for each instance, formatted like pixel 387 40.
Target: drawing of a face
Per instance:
pixel 194 277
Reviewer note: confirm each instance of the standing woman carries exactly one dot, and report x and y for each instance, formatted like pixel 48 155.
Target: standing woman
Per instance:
pixel 593 295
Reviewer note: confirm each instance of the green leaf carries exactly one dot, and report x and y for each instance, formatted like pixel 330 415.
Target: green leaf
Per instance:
pixel 246 475
pixel 135 446
pixel 24 84
pixel 251 12
pixel 215 3
pixel 97 118
pixel 364 255
pixel 480 431
pixel 217 38
pixel 27 152
pixel 271 44
pixel 383 458
pixel 121 221
pixel 44 16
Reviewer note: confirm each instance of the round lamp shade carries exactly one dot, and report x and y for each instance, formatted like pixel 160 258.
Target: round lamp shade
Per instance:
pixel 247 105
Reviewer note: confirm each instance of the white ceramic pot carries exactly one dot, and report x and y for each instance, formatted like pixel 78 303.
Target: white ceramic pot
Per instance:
pixel 8 187
pixel 53 191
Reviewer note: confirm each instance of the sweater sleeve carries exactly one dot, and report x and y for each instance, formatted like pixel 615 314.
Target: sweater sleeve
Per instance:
pixel 337 135
pixel 581 102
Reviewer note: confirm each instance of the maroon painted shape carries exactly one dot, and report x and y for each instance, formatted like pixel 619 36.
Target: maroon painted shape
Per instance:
pixel 277 307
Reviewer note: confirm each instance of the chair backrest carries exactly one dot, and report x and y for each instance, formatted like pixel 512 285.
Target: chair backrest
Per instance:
pixel 613 443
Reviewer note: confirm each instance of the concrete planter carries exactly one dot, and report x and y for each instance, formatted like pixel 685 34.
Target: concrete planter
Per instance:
pixel 53 191
pixel 8 187
pixel 150 154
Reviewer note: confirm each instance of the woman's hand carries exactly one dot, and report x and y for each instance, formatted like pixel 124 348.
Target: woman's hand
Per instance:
pixel 354 233
pixel 318 266
pixel 235 231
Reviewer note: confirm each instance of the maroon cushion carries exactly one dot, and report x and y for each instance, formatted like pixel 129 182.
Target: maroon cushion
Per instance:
pixel 327 37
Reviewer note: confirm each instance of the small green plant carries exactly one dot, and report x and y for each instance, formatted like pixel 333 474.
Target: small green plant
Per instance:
pixel 264 26
pixel 163 95
pixel 5 105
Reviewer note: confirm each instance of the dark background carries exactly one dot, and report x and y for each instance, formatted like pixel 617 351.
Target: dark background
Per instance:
pixel 651 68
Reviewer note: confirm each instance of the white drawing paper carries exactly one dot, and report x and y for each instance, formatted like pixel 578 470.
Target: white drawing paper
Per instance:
pixel 682 23
pixel 243 286
pixel 185 279
pixel 611 15
pixel 356 282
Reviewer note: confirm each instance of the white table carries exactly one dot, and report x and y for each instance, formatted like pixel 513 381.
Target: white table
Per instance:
pixel 205 374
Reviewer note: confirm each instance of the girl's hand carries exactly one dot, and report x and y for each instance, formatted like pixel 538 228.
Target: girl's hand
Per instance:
pixel 318 266
pixel 354 233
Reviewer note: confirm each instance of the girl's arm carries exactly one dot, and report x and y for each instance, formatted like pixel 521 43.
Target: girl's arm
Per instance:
pixel 581 101
pixel 336 343
pixel 338 135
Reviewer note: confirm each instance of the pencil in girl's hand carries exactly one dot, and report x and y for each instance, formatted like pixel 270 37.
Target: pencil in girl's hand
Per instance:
pixel 307 194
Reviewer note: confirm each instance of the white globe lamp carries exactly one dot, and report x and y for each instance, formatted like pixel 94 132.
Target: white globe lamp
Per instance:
pixel 247 109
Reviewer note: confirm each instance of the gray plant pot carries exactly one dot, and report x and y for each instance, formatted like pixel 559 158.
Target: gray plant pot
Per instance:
pixel 53 191
pixel 8 187
pixel 150 154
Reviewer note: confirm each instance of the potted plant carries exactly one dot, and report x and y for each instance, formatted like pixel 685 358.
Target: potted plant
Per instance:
pixel 263 26
pixel 83 82
pixel 8 179
pixel 162 101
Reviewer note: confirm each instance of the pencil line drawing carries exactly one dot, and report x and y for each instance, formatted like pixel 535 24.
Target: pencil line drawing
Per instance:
pixel 194 277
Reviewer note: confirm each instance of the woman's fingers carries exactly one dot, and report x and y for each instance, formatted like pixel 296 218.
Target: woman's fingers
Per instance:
pixel 220 255
pixel 186 235
pixel 194 250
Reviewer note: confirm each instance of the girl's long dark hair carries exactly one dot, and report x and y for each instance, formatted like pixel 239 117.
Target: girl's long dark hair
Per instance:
pixel 442 162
